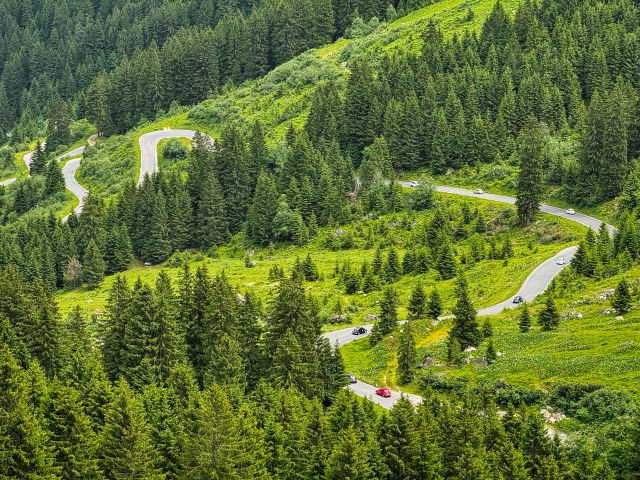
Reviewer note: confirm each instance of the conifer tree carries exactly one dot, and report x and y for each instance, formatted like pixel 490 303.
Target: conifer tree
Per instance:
pixel 72 438
pixel 524 320
pixel 58 126
pixel 549 318
pixel 157 246
pixel 93 266
pixel 491 354
pixel 621 300
pixel 465 325
pixel 446 263
pixel 25 452
pixel 211 220
pixel 434 305
pixel 349 458
pixel 531 151
pixel 392 270
pixel 388 316
pixel 126 450
pixel 264 210
pixel 417 303
pixel 38 160
pixel 54 180
pixel 407 355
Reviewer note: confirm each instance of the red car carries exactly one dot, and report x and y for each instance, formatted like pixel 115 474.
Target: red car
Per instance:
pixel 383 392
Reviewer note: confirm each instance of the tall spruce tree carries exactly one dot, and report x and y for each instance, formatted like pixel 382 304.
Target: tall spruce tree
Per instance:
pixel 434 305
pixel 621 300
pixel 93 266
pixel 407 355
pixel 524 320
pixel 531 154
pixel 549 318
pixel 263 211
pixel 126 450
pixel 211 220
pixel 465 325
pixel 417 303
pixel 388 317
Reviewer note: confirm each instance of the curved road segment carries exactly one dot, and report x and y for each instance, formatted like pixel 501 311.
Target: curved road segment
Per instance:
pixel 535 284
pixel 149 149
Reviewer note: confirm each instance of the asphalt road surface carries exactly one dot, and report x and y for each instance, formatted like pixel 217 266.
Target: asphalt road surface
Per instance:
pixel 535 284
pixel 149 149
pixel 69 172
pixel 9 181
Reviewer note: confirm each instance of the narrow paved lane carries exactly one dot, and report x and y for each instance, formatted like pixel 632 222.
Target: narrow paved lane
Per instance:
pixel 149 149
pixel 9 181
pixel 535 284
pixel 69 172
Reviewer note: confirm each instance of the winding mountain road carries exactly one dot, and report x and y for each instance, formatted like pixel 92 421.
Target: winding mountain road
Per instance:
pixel 69 172
pixel 535 284
pixel 149 149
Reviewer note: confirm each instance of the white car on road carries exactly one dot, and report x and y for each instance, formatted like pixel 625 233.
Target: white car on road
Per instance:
pixel 571 211
pixel 478 191
pixel 414 184
pixel 561 261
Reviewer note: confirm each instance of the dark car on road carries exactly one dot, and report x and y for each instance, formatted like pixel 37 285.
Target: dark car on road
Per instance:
pixel 359 331
pixel 518 299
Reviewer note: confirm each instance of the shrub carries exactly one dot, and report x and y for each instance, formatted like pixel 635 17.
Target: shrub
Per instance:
pixel 604 405
pixel 174 150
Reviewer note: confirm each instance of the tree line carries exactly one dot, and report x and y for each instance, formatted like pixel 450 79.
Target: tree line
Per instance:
pixel 192 379
pixel 98 56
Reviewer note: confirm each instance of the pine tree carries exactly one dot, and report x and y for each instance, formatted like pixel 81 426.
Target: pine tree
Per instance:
pixel 126 450
pixel 211 221
pixel 531 152
pixel 417 303
pixel 524 321
pixel 38 160
pixel 392 270
pixel 349 458
pixel 388 316
pixel 54 180
pixel 549 318
pixel 264 210
pixel 25 453
pixel 93 266
pixel 434 305
pixel 72 438
pixel 157 247
pixel 58 132
pixel 446 262
pixel 621 300
pixel 465 326
pixel 491 354
pixel 407 355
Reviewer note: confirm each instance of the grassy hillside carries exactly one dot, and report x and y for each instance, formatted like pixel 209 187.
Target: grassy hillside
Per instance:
pixel 282 97
pixel 591 346
pixel 491 281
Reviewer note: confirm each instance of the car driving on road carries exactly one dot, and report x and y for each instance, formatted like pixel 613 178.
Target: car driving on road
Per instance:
pixel 383 392
pixel 561 261
pixel 359 331
pixel 414 184
pixel 571 211
pixel 352 378
pixel 518 299
pixel 478 191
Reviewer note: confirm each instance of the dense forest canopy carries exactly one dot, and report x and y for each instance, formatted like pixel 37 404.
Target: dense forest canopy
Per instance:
pixel 51 48
pixel 197 378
